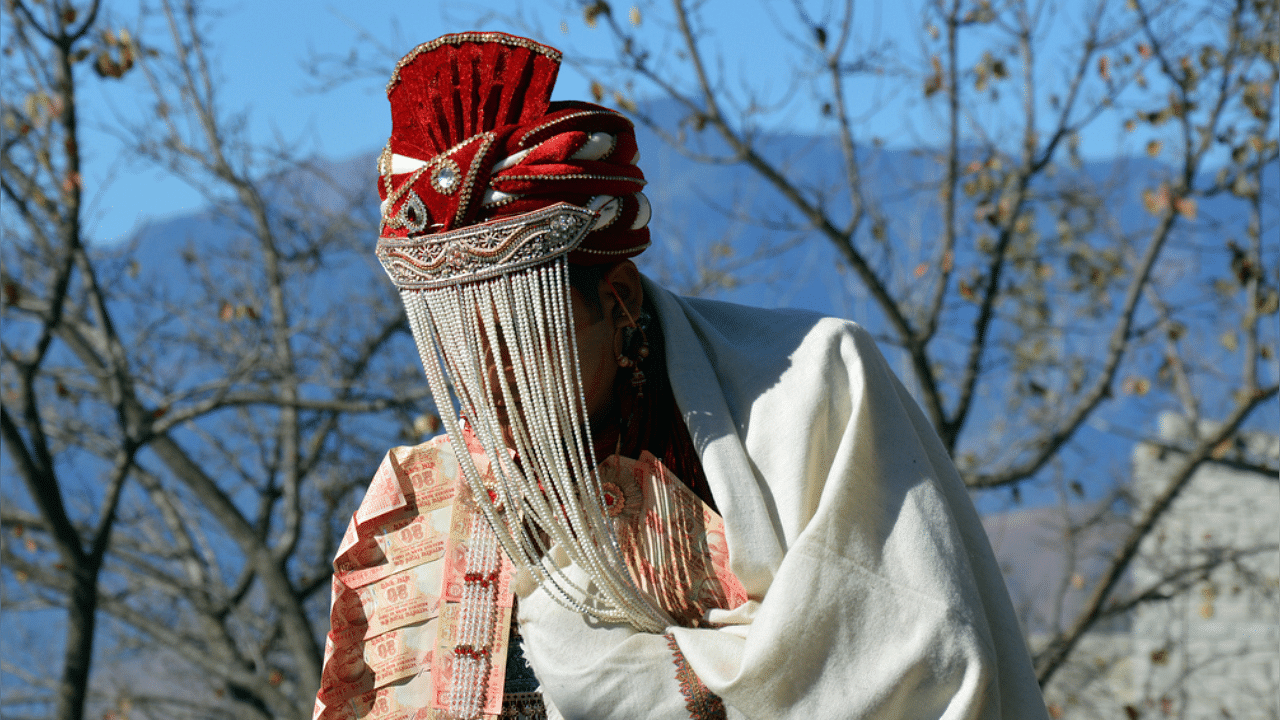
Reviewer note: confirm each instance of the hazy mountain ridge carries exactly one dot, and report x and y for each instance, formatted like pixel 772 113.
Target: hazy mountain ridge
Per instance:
pixel 691 200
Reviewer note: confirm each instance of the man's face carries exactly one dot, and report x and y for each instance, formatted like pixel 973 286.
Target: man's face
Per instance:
pixel 596 361
pixel 597 327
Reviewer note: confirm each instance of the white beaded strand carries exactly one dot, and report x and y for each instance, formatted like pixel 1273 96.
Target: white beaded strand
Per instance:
pixel 551 315
pixel 633 603
pixel 476 618
pixel 549 461
pixel 526 317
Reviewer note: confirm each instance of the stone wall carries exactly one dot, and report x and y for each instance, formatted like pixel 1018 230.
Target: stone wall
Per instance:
pixel 1213 650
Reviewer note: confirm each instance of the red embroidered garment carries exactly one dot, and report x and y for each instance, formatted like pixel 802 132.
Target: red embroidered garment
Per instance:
pixel 400 592
pixel 401 599
pixel 400 587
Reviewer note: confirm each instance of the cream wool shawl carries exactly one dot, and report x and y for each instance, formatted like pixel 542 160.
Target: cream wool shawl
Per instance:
pixel 875 593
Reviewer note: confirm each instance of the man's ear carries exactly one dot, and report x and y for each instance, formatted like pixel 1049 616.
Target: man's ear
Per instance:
pixel 621 284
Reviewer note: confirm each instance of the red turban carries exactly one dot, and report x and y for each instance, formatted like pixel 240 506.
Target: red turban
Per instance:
pixel 475 137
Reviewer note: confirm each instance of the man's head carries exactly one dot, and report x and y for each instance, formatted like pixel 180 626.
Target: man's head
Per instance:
pixel 478 161
pixel 507 224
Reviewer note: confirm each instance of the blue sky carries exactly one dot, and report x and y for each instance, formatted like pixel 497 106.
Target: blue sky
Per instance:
pixel 259 49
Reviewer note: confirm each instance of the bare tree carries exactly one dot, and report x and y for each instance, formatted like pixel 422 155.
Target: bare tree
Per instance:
pixel 1028 291
pixel 188 419
pixel 48 197
pixel 187 427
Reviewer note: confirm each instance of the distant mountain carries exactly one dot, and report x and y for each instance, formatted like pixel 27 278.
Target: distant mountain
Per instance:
pixel 699 210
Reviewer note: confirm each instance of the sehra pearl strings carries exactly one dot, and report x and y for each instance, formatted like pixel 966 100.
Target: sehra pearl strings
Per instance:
pixel 552 495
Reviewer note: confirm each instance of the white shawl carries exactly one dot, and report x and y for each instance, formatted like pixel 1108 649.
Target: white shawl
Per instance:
pixel 874 590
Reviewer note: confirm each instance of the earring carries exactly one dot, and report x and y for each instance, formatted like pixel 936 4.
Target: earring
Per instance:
pixel 635 347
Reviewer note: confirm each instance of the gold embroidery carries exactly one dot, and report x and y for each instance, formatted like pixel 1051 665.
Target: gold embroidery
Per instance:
pixel 477 252
pixel 624 251
pixel 500 202
pixel 384 166
pixel 465 199
pixel 441 160
pixel 570 116
pixel 394 197
pixel 575 176
pixel 475 37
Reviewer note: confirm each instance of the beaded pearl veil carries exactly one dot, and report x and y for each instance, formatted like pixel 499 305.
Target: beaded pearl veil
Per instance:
pixel 489 306
pixel 488 190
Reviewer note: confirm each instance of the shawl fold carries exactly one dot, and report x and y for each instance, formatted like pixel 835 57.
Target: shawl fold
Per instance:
pixel 872 589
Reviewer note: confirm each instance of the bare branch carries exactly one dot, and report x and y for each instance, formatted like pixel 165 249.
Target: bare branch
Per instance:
pixel 1048 661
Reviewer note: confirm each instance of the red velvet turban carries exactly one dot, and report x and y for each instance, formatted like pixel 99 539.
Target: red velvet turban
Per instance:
pixel 475 137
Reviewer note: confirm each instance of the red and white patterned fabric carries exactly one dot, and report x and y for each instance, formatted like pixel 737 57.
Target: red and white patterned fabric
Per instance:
pixel 416 629
pixel 422 597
